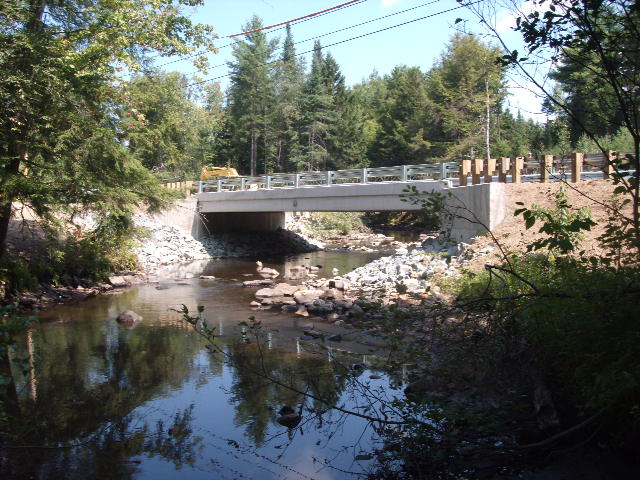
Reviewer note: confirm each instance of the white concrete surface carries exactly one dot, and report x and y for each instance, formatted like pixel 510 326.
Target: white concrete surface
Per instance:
pixel 472 209
pixel 373 197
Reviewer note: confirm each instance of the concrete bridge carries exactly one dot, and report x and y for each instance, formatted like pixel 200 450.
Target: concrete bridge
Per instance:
pixel 260 203
pixel 474 192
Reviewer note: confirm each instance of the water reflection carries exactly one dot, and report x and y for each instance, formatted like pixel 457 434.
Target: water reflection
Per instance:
pixel 153 402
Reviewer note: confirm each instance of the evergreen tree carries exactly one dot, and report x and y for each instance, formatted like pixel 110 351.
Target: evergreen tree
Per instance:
pixel 251 98
pixel 287 112
pixel 404 118
pixel 317 112
pixel 461 84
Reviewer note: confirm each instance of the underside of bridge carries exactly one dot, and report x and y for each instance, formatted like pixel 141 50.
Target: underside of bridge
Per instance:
pixel 232 222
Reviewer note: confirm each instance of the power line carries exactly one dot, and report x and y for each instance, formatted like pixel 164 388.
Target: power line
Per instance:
pixel 347 28
pixel 326 10
pixel 369 21
pixel 306 18
pixel 350 39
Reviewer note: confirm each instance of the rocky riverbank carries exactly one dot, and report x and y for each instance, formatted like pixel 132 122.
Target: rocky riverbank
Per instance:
pixel 166 245
pixel 345 301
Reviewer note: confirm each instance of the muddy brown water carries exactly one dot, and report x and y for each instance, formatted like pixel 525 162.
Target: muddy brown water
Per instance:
pixel 152 402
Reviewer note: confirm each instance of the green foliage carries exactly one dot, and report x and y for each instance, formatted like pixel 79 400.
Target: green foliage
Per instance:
pixel 432 206
pixel 619 142
pixel 62 79
pixel 17 275
pixel 251 98
pixel 165 127
pixel 460 85
pixel 579 324
pixel 344 222
pixel 561 225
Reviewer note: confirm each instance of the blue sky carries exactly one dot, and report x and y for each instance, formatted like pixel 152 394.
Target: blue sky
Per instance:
pixel 419 43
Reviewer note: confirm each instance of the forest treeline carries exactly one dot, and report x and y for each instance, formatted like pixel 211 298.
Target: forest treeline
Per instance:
pixel 281 115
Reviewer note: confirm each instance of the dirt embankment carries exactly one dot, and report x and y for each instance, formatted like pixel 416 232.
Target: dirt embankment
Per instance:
pixel 512 235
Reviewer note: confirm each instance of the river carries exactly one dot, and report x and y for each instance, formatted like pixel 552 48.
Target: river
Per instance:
pixel 152 402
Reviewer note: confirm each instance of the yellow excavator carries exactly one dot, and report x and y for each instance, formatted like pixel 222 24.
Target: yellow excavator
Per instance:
pixel 209 172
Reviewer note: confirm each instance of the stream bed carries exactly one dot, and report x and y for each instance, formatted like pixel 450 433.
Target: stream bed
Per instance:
pixel 152 402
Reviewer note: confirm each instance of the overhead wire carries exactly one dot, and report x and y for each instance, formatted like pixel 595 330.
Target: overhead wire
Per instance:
pixel 346 28
pixel 350 39
pixel 337 7
pixel 306 18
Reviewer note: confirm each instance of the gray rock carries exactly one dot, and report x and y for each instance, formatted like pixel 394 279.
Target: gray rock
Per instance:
pixel 118 282
pixel 307 296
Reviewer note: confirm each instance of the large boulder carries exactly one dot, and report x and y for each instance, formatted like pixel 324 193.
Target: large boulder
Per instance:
pixel 279 290
pixel 307 296
pixel 118 281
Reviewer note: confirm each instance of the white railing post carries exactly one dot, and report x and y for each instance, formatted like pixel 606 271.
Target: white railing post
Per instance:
pixel 296 182
pixel 328 179
pixel 219 185
pixel 443 171
pixel 403 177
pixel 268 182
pixel 365 173
pixel 200 186
pixel 242 183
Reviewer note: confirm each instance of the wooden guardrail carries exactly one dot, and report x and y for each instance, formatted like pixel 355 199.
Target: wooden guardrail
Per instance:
pixel 546 167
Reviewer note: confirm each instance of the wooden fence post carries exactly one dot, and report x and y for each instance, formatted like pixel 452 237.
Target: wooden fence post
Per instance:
pixel 503 169
pixel 516 169
pixel 607 165
pixel 576 166
pixel 478 164
pixel 546 164
pixel 465 170
pixel 489 168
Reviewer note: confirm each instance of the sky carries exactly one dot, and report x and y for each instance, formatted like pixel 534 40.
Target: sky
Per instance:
pixel 418 43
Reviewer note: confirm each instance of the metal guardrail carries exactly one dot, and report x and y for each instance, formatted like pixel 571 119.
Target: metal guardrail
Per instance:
pixel 402 173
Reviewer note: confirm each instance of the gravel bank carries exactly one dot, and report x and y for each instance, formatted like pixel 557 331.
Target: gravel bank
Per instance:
pixel 166 245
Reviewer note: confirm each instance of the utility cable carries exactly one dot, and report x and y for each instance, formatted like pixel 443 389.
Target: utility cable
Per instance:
pixel 326 10
pixel 342 29
pixel 306 18
pixel 349 39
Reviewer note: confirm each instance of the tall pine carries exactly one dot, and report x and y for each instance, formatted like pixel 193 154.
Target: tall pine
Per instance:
pixel 287 111
pixel 251 99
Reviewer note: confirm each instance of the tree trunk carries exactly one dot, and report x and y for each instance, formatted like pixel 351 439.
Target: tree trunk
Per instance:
pixel 12 169
pixel 254 152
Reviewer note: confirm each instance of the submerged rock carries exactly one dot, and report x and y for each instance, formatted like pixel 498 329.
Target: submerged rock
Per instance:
pixel 128 318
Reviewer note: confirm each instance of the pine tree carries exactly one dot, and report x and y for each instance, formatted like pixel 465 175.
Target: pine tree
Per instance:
pixel 404 119
pixel 466 78
pixel 287 112
pixel 316 106
pixel 251 98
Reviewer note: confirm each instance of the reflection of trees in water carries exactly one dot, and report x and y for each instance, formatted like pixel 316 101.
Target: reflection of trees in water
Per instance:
pixel 258 397
pixel 91 377
pixel 91 374
pixel 108 452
